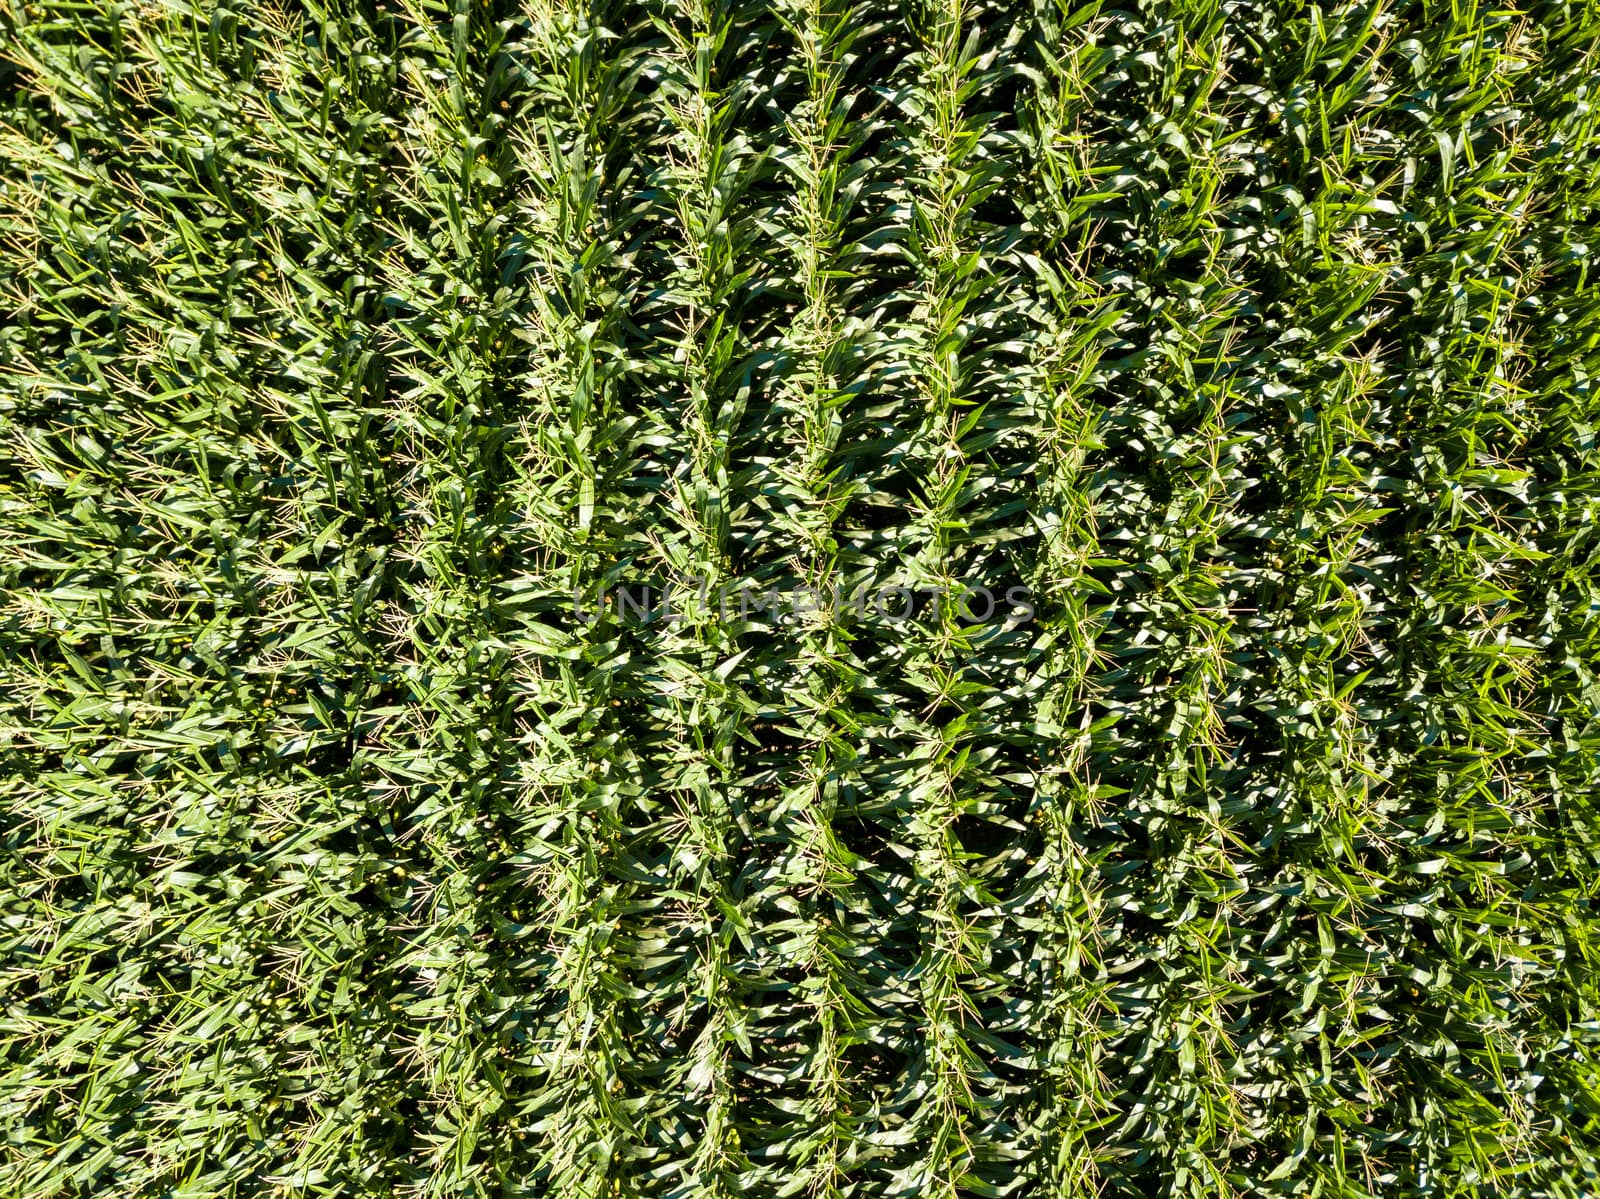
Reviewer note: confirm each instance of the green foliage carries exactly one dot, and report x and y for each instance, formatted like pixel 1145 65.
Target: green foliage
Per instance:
pixel 350 350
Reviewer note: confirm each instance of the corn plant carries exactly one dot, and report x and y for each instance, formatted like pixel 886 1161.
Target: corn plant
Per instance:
pixel 671 599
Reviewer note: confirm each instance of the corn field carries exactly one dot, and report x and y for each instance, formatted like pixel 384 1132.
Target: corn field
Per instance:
pixel 825 598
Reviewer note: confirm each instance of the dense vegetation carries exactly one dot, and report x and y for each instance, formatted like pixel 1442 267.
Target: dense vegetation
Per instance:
pixel 355 846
